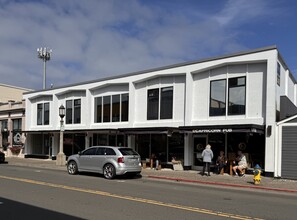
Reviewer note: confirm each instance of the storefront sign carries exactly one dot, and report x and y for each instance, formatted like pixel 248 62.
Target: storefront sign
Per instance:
pixel 212 130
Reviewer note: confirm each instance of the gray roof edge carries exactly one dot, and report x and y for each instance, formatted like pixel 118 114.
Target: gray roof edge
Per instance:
pixel 273 47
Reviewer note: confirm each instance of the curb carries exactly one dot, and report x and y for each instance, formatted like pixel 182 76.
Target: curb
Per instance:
pixel 224 184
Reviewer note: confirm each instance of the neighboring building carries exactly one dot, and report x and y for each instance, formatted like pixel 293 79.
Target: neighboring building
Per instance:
pixel 12 118
pixel 231 102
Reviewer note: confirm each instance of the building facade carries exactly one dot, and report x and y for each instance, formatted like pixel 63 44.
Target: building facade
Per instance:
pixel 231 102
pixel 12 119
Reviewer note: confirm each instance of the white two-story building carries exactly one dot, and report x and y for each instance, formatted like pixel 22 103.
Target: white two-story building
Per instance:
pixel 232 102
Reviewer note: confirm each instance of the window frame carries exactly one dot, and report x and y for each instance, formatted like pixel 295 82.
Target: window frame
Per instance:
pixel 43 113
pixel 99 111
pixel 236 86
pixel 211 113
pixel 73 111
pixel 155 107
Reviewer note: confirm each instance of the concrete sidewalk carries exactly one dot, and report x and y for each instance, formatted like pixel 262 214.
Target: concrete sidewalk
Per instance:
pixel 267 183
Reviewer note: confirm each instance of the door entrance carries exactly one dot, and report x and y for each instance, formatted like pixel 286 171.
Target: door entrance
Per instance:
pixel 199 145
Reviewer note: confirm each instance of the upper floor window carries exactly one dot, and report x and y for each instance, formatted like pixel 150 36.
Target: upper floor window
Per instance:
pixel 113 108
pixel 4 125
pixel 43 113
pixel 17 124
pixel 73 111
pixel 236 104
pixel 217 98
pixel 278 74
pixel 160 98
pixel 236 97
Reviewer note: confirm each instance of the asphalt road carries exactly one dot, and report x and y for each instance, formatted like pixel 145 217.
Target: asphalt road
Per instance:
pixel 30 193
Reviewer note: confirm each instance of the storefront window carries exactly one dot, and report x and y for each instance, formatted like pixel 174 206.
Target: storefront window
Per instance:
pixel 176 147
pixel 217 98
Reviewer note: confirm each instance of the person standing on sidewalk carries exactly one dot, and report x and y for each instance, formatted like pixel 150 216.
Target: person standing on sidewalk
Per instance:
pixel 207 156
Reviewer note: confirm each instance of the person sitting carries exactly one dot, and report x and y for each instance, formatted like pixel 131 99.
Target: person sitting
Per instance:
pixel 221 162
pixel 241 164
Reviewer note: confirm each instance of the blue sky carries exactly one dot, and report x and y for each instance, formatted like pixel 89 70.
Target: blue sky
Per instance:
pixel 92 39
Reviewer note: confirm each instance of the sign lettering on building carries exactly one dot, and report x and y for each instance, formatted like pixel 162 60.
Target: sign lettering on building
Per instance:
pixel 225 130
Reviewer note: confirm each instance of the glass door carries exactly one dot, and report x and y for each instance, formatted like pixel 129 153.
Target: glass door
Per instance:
pixel 199 145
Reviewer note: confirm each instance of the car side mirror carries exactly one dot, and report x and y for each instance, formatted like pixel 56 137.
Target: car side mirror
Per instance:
pixel 79 153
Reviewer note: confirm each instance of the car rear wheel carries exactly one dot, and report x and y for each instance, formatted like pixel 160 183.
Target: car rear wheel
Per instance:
pixel 109 171
pixel 72 168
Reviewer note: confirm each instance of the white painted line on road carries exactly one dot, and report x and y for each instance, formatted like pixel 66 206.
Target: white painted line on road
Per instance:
pixel 130 198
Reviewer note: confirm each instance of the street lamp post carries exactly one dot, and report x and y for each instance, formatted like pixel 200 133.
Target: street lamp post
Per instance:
pixel 61 158
pixel 45 55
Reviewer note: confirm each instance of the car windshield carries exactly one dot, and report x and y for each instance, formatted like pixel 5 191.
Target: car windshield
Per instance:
pixel 127 151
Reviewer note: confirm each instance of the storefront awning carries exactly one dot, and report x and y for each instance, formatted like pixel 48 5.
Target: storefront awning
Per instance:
pixel 149 130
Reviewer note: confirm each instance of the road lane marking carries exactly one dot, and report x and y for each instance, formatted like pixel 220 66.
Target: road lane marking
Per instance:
pixel 130 198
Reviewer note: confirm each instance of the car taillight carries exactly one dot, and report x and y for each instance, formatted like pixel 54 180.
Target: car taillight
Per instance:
pixel 121 160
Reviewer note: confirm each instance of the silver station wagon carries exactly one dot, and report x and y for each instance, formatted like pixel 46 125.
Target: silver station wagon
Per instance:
pixel 106 160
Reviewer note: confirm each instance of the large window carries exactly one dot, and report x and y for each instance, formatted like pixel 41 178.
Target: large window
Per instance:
pixel 73 111
pixel 236 104
pixel 113 108
pixel 116 100
pixel 152 104
pixel 106 108
pixel 125 107
pixel 98 109
pixel 217 98
pixel 43 113
pixel 236 97
pixel 165 101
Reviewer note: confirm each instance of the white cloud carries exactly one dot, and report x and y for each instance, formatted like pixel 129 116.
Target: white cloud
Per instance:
pixel 93 39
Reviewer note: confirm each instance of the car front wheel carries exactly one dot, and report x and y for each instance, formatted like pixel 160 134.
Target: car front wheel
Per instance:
pixel 109 171
pixel 72 168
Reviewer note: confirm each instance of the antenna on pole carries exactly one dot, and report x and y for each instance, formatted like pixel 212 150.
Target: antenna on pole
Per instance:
pixel 45 55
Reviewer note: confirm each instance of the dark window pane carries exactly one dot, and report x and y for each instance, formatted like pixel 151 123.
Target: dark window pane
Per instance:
pixel 91 151
pixel 17 124
pixel 166 103
pixel 116 108
pixel 125 107
pixel 39 114
pixel 100 151
pixel 106 109
pixel 109 151
pixel 217 105
pixel 69 111
pixel 236 104
pixel 152 104
pixel 127 151
pixel 46 113
pixel 98 109
pixel 77 111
